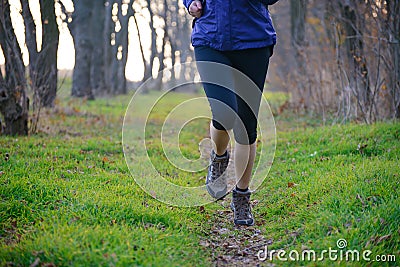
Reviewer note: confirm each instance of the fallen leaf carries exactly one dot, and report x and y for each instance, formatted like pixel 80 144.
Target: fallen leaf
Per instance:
pixel 36 253
pixel 74 219
pixel 35 263
pixel 114 256
pixel 361 148
pixel 222 231
pixel 383 238
pixel 204 243
pixel 304 247
pixel 291 184
pixel 347 225
pixel 361 199
pixel 254 202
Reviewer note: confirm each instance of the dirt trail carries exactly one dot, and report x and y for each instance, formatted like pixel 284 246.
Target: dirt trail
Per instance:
pixel 234 245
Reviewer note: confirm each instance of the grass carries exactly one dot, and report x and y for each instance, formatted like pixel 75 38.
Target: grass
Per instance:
pixel 331 183
pixel 68 198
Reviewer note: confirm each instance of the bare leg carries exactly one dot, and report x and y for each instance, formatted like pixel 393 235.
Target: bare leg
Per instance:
pixel 244 161
pixel 220 140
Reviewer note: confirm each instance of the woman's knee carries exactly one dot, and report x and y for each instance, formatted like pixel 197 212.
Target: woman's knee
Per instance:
pixel 245 132
pixel 227 123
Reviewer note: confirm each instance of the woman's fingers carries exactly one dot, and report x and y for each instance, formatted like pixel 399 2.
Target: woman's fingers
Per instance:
pixel 196 9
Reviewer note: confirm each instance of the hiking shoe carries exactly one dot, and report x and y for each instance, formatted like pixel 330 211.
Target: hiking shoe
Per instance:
pixel 216 176
pixel 240 206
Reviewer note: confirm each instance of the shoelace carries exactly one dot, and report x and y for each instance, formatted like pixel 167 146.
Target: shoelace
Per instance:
pixel 242 206
pixel 216 169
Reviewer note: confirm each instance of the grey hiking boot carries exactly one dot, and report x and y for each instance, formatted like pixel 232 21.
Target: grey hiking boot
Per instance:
pixel 241 208
pixel 216 176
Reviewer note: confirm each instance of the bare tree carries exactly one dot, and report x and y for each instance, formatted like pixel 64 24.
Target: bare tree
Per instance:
pixel 344 56
pixel 42 61
pixel 153 46
pixel 13 100
pixel 100 34
pixel 366 51
pixel 120 47
pixel 98 67
pixel 392 60
pixel 355 57
pixel 298 13
pixel 80 26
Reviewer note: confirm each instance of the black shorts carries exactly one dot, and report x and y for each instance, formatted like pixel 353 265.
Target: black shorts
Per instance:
pixel 229 109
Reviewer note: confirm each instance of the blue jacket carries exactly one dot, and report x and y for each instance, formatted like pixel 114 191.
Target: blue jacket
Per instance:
pixel 233 24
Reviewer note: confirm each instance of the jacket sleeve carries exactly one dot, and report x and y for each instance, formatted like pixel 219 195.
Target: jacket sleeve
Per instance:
pixel 269 2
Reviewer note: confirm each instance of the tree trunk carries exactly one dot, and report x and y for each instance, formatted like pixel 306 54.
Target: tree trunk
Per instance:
pixel 153 52
pixel 80 29
pixel 47 71
pixel 120 50
pixel 357 65
pixel 13 101
pixel 43 63
pixel 161 55
pixel 393 35
pixel 180 42
pixel 108 30
pixel 97 68
pixel 298 12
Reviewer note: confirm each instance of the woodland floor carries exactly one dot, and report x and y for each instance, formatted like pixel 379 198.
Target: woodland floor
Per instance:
pixel 69 199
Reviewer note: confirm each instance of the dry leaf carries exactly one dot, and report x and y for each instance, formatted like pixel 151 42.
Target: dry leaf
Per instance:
pixel 35 263
pixel 360 198
pixel 204 243
pixel 383 238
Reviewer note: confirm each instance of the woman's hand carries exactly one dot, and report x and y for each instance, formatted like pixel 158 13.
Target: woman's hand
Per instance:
pixel 196 9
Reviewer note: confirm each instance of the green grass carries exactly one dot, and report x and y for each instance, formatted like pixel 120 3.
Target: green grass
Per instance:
pixel 68 198
pixel 323 186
